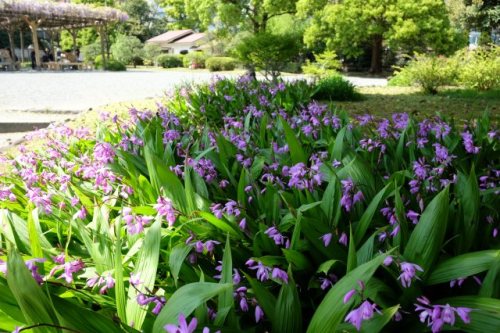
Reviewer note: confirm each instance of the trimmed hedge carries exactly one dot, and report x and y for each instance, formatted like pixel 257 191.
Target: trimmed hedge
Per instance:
pixel 169 61
pixel 112 64
pixel 215 64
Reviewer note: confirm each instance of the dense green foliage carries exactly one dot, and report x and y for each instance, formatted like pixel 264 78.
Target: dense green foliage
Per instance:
pixel 335 88
pixel 194 60
pixel 253 208
pixel 428 72
pixel 127 49
pixel 352 25
pixel 325 64
pixel 169 60
pixel 476 69
pixel 215 64
pixel 268 52
pixel 480 69
pixel 151 53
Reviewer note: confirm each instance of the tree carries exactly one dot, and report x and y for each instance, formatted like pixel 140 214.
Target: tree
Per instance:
pixel 350 25
pixel 151 52
pixel 143 20
pixel 127 49
pixel 237 15
pixel 268 52
pixel 176 15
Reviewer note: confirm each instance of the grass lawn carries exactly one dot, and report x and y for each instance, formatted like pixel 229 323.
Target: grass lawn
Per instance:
pixel 457 103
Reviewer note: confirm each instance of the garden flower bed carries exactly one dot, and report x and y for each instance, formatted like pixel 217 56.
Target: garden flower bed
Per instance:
pixel 242 206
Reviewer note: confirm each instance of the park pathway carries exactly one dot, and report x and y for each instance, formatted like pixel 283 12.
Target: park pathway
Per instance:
pixel 34 99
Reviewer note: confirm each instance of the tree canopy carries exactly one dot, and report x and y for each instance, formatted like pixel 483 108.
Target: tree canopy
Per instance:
pixel 350 25
pixel 236 15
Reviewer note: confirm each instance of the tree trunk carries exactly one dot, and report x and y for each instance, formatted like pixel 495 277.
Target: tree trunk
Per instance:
pixel 376 63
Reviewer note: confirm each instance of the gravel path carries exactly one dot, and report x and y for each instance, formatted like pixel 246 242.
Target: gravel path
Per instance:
pixel 34 98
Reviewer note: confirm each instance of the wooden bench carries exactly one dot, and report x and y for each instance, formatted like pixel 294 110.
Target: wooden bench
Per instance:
pixel 61 66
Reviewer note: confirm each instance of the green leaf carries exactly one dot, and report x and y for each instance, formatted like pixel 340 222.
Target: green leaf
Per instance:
pixel 221 224
pixel 325 267
pixel 186 299
pixel 490 286
pixel 296 151
pixel 146 266
pixel 34 232
pixel 176 259
pixel 351 255
pixel 467 191
pixel 226 301
pixel 332 310
pixel 367 217
pixel 80 318
pixel 288 314
pixel 34 304
pixel 426 239
pixel 121 300
pixel 338 147
pixel 331 199
pixel 462 266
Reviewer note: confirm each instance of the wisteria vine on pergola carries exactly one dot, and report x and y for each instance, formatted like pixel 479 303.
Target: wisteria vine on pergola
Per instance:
pixel 51 15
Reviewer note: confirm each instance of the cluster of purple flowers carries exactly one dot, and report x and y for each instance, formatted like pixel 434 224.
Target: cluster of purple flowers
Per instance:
pixel 165 208
pixel 135 223
pixel 105 282
pixel 264 272
pixel 69 267
pixel 301 177
pixel 436 316
pixel 231 208
pixel 349 194
pixel 277 237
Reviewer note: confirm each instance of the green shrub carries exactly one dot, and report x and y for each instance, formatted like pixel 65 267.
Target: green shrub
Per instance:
pixel 428 72
pixel 194 60
pixel 326 64
pixel 115 66
pixel 335 88
pixel 127 50
pixel 89 52
pixel 169 61
pixel 400 78
pixel 215 64
pixel 151 53
pixel 480 68
pixel 112 64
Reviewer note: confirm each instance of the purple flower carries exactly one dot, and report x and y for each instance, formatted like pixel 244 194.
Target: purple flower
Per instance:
pixel 437 315
pixel 343 239
pixel 400 120
pixel 469 143
pixel 259 314
pixel 104 153
pixel 349 295
pixel 413 216
pixel 326 238
pixel 408 273
pixel 349 197
pixel 420 168
pixel 183 327
pixel 388 261
pixel 280 274
pixel 165 208
pixel 441 154
pixel 363 312
pixel 69 269
pixel 262 270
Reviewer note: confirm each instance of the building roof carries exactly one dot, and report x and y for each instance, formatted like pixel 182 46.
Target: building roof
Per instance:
pixel 170 36
pixel 192 38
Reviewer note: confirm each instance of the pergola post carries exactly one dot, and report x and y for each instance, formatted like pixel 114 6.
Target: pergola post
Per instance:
pixel 10 33
pixel 21 38
pixel 101 31
pixel 74 34
pixel 33 27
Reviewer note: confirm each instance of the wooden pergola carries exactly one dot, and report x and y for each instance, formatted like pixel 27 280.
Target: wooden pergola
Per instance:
pixel 54 16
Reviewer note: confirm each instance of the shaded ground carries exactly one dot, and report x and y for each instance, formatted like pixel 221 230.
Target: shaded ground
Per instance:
pixel 456 103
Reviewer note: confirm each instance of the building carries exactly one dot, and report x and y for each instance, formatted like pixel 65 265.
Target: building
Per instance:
pixel 180 41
